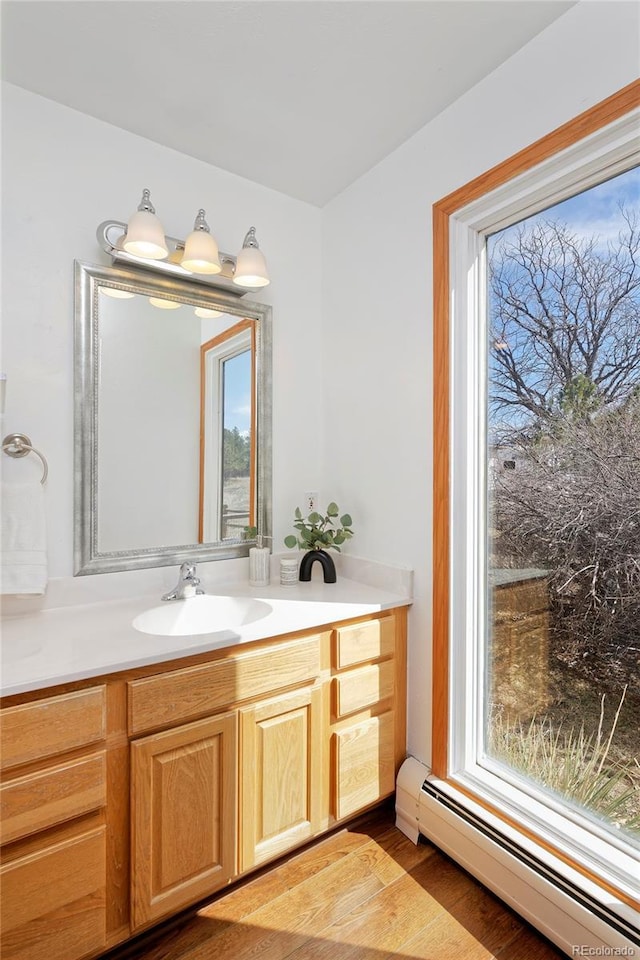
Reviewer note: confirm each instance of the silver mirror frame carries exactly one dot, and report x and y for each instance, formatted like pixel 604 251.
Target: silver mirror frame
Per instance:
pixel 88 280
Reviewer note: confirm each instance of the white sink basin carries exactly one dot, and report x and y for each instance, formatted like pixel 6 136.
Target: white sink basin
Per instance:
pixel 201 614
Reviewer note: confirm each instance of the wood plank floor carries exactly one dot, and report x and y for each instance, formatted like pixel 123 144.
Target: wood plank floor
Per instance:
pixel 363 893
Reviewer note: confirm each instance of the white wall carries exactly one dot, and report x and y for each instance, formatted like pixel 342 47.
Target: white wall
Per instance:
pixel 366 442
pixel 377 293
pixel 149 425
pixel 63 173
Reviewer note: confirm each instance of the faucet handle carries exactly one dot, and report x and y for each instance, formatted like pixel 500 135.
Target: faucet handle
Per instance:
pixel 188 584
pixel 192 587
pixel 188 573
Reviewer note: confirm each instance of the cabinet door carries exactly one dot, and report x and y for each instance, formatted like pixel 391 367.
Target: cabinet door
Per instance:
pixel 53 899
pixel 363 762
pixel 281 785
pixel 183 789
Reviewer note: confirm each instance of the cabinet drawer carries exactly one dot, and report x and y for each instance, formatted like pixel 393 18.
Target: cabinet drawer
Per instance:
pixel 45 728
pixel 42 800
pixel 363 687
pixel 364 641
pixel 364 767
pixel 181 695
pixel 53 901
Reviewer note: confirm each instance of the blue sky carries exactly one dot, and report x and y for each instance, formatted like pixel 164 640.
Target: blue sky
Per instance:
pixel 595 211
pixel 598 210
pixel 237 392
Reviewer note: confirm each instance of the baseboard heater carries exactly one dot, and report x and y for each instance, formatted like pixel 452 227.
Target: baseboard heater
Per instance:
pixel 566 913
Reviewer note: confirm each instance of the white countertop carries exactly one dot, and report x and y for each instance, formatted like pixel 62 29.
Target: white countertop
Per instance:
pixel 63 644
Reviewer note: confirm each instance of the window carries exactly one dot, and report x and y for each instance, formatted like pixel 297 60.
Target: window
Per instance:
pixel 227 434
pixel 492 607
pixel 562 672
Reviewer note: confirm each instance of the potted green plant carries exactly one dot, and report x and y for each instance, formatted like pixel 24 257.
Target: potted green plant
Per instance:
pixel 317 534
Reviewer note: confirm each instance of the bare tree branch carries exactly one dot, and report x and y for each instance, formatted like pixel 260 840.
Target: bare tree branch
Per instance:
pixel 562 308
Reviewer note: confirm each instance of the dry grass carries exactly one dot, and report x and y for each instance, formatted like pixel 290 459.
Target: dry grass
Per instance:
pixel 578 757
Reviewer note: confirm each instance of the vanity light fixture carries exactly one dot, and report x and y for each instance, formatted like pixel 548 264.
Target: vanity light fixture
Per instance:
pixel 251 269
pixel 164 304
pixel 142 243
pixel 145 236
pixel 116 293
pixel 206 313
pixel 201 250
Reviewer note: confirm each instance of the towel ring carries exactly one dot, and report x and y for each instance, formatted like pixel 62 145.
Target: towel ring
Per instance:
pixel 19 445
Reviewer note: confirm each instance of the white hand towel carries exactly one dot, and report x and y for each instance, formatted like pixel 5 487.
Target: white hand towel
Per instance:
pixel 23 539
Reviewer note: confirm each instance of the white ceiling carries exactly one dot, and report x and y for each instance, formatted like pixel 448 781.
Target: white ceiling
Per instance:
pixel 302 96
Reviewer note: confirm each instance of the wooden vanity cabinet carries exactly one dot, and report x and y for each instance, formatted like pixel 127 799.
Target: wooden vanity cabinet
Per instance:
pixel 53 830
pixel 368 684
pixel 185 791
pixel 126 799
pixel 282 775
pixel 183 815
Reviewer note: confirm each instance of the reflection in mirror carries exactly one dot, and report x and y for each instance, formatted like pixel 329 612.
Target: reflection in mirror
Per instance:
pixel 227 451
pixel 172 420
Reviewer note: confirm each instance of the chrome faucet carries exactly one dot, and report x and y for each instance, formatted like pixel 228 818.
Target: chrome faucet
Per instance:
pixel 188 584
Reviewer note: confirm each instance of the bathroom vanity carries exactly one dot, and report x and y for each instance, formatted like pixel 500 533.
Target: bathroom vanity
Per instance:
pixel 151 754
pixel 131 793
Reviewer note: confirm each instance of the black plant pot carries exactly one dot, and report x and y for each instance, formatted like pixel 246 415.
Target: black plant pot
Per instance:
pixel 325 561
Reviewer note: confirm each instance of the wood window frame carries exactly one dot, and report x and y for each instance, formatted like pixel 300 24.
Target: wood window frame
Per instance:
pixel 569 134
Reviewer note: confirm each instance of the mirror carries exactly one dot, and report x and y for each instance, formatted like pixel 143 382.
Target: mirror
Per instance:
pixel 172 421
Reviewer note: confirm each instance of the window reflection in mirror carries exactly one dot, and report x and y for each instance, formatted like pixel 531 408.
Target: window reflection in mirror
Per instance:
pixel 227 452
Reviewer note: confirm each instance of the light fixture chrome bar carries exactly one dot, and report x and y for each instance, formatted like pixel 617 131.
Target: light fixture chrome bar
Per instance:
pixel 111 233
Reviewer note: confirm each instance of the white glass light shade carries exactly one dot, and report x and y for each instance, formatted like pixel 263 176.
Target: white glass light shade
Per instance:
pixel 201 253
pixel 116 293
pixel 251 268
pixel 164 304
pixel 145 236
pixel 207 314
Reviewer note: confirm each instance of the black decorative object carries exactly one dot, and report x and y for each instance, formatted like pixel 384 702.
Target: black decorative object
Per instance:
pixel 325 561
pixel 315 535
